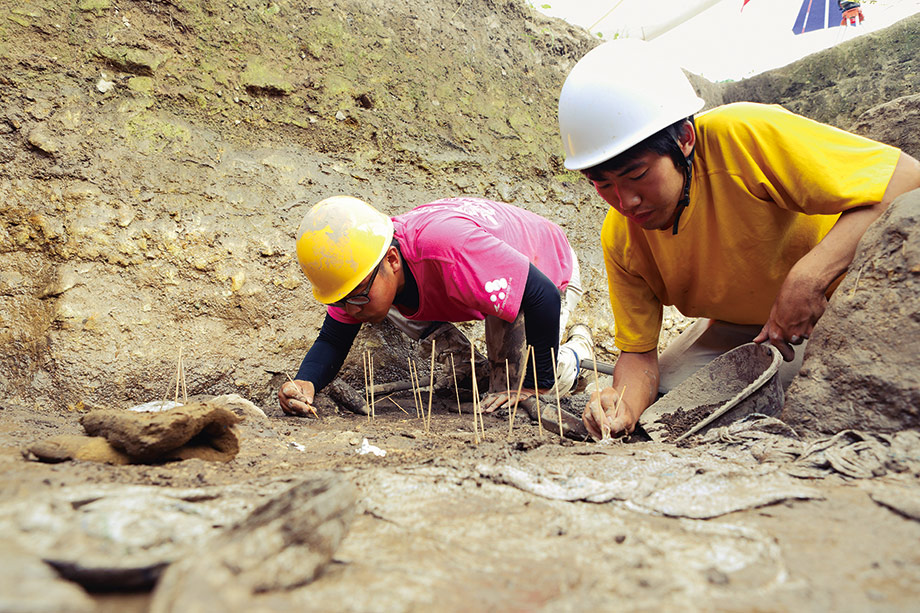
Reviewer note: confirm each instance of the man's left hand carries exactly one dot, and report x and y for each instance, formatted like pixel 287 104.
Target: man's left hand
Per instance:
pixel 495 400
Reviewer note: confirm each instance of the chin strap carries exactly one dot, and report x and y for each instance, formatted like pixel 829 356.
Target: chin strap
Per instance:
pixel 685 197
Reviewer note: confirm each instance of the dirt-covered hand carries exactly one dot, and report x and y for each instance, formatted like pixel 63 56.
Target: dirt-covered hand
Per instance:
pixel 798 306
pixel 606 415
pixel 296 398
pixel 496 400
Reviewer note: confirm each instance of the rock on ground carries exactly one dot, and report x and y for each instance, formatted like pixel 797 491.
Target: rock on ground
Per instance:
pixel 28 585
pixel 192 430
pixel 861 367
pixel 893 122
pixel 121 537
pixel 284 544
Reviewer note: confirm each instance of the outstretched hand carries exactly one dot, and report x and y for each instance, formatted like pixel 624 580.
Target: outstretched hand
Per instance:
pixel 296 398
pixel 495 400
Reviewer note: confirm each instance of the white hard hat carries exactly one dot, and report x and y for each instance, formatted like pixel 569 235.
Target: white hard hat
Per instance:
pixel 616 96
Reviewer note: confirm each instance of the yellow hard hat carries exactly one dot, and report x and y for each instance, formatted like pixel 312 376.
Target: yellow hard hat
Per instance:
pixel 339 242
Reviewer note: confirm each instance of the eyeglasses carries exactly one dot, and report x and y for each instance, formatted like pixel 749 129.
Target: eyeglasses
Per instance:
pixel 361 298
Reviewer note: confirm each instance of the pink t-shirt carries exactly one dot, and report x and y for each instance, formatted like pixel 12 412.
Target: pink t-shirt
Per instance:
pixel 470 258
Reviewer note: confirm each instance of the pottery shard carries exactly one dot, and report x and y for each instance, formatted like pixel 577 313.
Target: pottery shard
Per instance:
pixel 194 430
pixel 283 544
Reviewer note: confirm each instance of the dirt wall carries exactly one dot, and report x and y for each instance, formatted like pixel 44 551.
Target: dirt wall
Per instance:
pixel 157 157
pixel 839 84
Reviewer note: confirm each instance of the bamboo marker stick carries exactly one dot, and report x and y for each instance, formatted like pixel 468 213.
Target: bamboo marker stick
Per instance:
pixel 478 411
pixel 518 398
pixel 430 388
pixel 178 370
pixel 536 389
pixel 508 384
pixel 418 392
pixel 413 378
pixel 184 390
pixel 552 355
pixel 482 424
pixel 367 398
pixel 390 398
pixel 453 371
pixel 597 385
pixel 475 394
pixel 412 381
pixel 370 361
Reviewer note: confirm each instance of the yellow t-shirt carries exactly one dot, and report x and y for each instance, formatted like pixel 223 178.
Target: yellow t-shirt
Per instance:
pixel 767 186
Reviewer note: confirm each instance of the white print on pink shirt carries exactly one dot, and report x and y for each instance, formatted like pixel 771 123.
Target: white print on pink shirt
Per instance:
pixel 497 294
pixel 470 258
pixel 465 206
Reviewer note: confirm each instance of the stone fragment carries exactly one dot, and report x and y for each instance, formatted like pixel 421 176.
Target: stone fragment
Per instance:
pixel 28 585
pixel 142 85
pixel 130 59
pixel 77 447
pixel 104 86
pixel 41 140
pixel 862 368
pixel 194 430
pixel 122 537
pixel 282 545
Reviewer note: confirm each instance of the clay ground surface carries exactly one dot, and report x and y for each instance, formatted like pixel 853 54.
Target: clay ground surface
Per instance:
pixel 432 533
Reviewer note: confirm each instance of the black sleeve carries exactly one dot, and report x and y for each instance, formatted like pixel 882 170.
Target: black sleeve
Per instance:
pixel 540 306
pixel 328 352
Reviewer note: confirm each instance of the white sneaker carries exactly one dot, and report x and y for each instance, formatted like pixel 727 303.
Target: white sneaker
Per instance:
pixel 580 345
pixel 581 341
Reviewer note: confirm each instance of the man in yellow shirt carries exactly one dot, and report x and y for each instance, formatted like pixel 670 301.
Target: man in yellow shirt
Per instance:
pixel 745 216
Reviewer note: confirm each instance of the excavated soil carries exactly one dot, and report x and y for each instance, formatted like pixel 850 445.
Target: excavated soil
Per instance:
pixel 433 533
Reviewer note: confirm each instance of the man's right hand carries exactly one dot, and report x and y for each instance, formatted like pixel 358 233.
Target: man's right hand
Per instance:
pixel 606 415
pixel 635 377
pixel 296 398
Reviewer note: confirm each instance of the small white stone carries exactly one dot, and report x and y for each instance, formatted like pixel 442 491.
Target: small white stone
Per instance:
pixel 367 448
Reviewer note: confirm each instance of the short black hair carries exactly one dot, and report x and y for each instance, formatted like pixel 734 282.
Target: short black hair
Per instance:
pixel 663 142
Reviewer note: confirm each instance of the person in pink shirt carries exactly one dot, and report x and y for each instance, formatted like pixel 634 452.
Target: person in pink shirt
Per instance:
pixel 452 260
